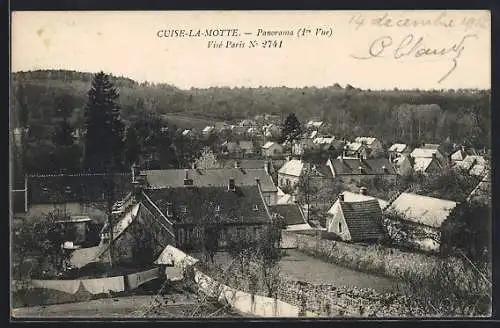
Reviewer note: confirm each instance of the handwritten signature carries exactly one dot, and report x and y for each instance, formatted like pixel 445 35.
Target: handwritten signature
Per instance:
pixel 412 47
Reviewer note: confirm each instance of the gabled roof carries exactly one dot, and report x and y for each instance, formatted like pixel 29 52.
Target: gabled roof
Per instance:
pixel 354 146
pixel 421 164
pixel 323 140
pixel 398 147
pixel 350 166
pixel 67 188
pixel 424 210
pixel 313 134
pixel 292 167
pixel 356 197
pixel 190 205
pixel 474 164
pixel 158 179
pixel 366 140
pixel 363 219
pixel 291 213
pixel 482 192
pixel 423 152
pixel 208 128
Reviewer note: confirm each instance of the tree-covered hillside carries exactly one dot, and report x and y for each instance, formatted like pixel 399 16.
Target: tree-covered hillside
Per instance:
pixel 396 115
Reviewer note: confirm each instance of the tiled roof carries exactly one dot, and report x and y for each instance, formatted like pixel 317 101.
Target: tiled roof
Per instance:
pixel 189 205
pixel 291 213
pixel 48 189
pixel 350 166
pixel 397 147
pixel 245 163
pixel 363 219
pixel 425 210
pixel 158 179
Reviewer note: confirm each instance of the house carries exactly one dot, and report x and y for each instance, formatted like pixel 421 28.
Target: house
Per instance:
pixel 356 150
pixel 272 149
pixel 284 198
pixel 185 216
pixel 289 174
pixel 426 165
pixel 398 149
pixel 362 196
pixel 291 215
pixel 159 179
pixel 474 165
pixel 74 194
pixel 230 147
pixel 422 216
pixel 482 192
pixel 356 220
pixel 403 164
pixel 358 170
pixel 372 143
pixel 271 130
pixel 429 153
pixel 186 133
pixel 325 143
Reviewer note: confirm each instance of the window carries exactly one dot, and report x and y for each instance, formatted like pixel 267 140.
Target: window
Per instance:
pixel 275 151
pixel 340 227
pixel 256 207
pixel 287 182
pixel 217 208
pixel 184 209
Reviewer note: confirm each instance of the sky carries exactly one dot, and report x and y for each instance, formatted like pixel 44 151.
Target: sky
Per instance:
pixel 367 49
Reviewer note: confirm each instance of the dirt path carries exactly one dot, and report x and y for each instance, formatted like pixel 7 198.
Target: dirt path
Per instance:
pixel 123 307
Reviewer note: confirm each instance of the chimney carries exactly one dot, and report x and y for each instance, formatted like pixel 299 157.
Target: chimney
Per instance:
pixel 360 168
pixel 231 185
pixel 257 180
pixel 363 191
pixel 237 164
pixel 384 169
pixel 193 166
pixel 187 181
pixel 341 197
pixel 169 210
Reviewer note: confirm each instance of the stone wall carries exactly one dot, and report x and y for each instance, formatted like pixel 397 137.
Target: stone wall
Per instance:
pixel 375 259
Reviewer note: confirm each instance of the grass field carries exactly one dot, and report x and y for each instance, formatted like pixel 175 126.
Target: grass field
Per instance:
pixel 190 122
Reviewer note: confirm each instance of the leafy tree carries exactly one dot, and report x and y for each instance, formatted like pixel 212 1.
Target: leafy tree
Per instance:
pixel 291 129
pixel 468 231
pixel 132 146
pixel 207 160
pixel 41 239
pixel 104 137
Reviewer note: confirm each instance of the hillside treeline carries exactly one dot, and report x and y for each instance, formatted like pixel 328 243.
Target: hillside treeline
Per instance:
pixel 397 115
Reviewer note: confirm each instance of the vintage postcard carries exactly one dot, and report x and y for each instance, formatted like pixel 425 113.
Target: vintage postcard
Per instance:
pixel 250 164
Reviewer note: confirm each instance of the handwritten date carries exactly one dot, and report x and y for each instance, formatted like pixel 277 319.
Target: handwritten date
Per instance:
pixel 411 46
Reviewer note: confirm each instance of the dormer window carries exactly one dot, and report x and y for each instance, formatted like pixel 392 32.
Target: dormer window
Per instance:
pixel 384 169
pixel 255 207
pixel 67 189
pixel 184 209
pixel 361 170
pixel 217 208
pixel 45 189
